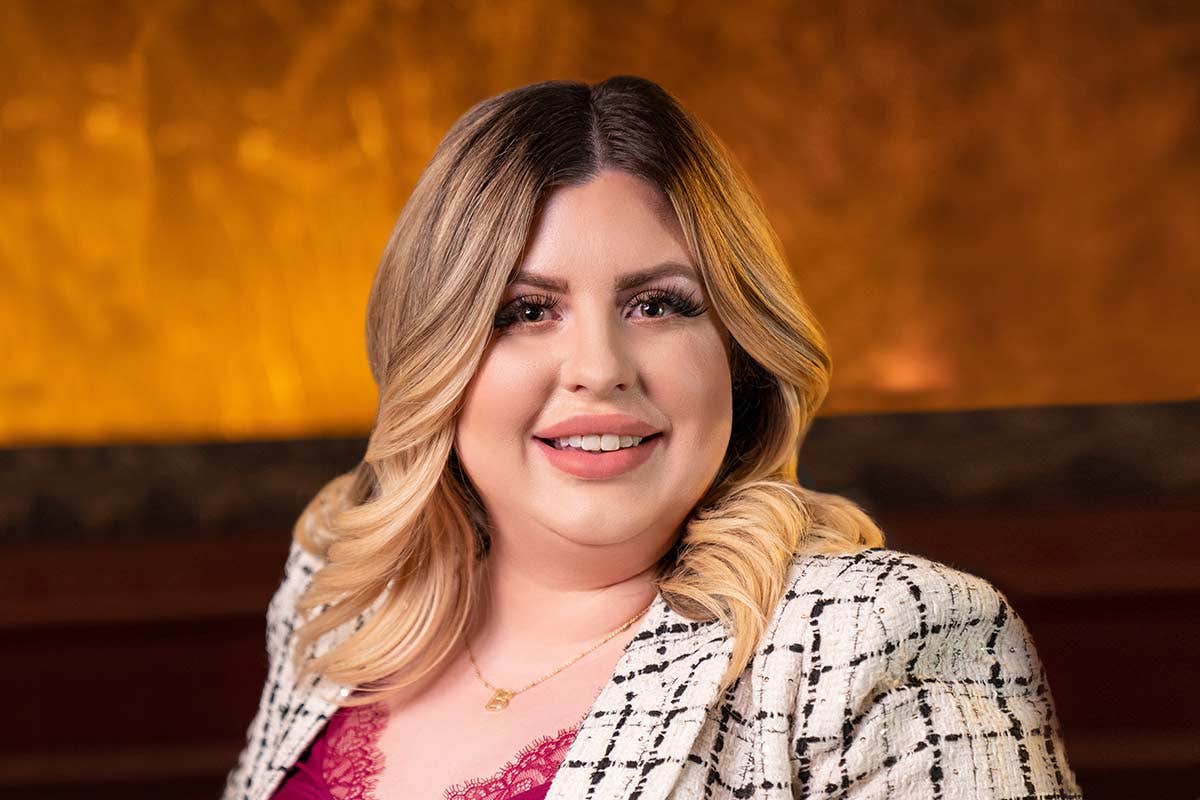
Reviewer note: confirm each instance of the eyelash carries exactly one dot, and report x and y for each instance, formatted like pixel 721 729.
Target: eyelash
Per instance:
pixel 684 305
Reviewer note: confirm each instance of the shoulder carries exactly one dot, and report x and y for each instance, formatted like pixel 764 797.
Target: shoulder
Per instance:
pixel 306 553
pixel 311 537
pixel 883 574
pixel 901 615
pixel 283 617
pixel 903 668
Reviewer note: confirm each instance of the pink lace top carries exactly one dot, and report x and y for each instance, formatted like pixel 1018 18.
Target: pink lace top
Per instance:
pixel 344 763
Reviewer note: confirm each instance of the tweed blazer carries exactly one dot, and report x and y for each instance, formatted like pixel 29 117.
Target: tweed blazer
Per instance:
pixel 882 674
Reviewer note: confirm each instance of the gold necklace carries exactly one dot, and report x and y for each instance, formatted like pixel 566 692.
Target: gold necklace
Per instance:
pixel 500 697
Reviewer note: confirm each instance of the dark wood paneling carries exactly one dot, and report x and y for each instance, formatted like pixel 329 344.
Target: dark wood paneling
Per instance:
pixel 138 582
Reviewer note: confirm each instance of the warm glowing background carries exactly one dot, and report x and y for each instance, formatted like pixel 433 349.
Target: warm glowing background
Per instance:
pixel 987 206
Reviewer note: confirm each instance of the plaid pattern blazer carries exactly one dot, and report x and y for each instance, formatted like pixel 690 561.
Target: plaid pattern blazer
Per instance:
pixel 882 674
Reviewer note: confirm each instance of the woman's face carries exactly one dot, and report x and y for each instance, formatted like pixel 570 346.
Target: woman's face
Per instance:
pixel 654 352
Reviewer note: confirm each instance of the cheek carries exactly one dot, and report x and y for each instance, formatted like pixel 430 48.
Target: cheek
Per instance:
pixel 696 388
pixel 500 403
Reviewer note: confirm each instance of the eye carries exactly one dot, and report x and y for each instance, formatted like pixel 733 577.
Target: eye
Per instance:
pixel 684 304
pixel 514 311
pixel 520 310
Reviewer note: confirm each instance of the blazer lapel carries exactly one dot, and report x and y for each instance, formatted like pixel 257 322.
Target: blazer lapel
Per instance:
pixel 307 708
pixel 643 725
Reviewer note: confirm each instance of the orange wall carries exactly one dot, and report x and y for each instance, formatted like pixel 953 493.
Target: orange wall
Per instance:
pixel 987 206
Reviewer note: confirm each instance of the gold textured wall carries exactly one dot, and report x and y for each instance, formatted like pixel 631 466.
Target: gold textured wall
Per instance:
pixel 987 204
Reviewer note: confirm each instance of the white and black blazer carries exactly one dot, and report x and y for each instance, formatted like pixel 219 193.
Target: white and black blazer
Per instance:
pixel 882 674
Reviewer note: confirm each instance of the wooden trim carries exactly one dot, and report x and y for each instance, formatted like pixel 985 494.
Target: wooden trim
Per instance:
pixel 1061 552
pixel 117 764
pixel 58 584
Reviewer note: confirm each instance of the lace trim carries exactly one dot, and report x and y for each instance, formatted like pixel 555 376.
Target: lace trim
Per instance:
pixel 353 760
pixel 533 766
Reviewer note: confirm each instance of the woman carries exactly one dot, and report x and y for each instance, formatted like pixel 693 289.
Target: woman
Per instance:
pixel 575 561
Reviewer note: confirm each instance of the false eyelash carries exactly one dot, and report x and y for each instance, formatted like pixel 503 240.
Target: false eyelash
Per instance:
pixel 508 315
pixel 684 304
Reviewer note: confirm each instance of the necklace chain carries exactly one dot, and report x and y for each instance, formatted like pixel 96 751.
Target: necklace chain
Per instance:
pixel 500 697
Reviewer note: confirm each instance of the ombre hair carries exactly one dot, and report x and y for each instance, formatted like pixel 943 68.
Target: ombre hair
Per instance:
pixel 406 532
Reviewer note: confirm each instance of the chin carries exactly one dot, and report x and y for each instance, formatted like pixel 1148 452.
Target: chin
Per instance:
pixel 588 537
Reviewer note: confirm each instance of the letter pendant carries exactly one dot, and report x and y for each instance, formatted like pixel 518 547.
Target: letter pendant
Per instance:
pixel 499 700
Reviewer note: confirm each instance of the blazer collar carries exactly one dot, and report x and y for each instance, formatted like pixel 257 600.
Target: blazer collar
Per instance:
pixel 667 675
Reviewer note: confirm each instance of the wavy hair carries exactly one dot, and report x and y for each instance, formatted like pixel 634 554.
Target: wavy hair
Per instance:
pixel 405 531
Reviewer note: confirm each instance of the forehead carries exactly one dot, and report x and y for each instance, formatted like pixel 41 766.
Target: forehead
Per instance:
pixel 615 222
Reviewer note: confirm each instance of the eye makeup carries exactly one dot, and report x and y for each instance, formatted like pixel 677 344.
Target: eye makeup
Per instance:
pixel 683 303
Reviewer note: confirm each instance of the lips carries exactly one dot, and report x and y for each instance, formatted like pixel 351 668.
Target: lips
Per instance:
pixel 599 465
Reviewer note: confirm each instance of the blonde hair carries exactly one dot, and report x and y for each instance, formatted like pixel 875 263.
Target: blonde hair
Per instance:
pixel 407 520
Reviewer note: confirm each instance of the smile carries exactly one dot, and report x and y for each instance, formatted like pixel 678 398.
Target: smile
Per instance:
pixel 597 465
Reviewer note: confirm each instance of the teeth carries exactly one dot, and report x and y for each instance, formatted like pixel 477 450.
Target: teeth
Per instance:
pixel 597 442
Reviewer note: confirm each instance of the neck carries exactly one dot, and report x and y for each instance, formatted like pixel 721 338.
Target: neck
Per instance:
pixel 546 606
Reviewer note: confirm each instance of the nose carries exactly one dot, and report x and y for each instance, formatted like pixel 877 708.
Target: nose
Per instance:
pixel 596 355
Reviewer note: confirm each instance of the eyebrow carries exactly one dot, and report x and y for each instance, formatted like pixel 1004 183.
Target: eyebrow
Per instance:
pixel 626 281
